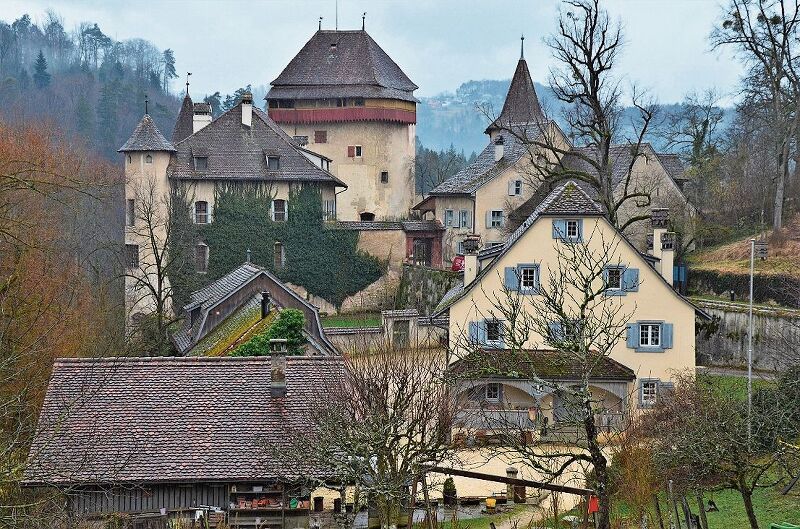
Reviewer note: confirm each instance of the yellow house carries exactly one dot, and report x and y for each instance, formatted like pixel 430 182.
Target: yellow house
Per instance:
pixel 656 331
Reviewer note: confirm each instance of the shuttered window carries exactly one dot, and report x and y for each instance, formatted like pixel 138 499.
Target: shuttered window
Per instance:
pixel 619 280
pixel 523 278
pixel 320 136
pixel 568 230
pixel 488 333
pixel 649 336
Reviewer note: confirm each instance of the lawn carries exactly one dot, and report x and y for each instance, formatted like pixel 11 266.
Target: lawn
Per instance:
pixel 769 505
pixel 733 385
pixel 350 321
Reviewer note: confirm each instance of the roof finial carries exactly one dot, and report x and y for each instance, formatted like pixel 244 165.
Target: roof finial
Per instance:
pixel 187 82
pixel 248 255
pixel 145 104
pixel 336 24
pixel 362 20
pixel 320 23
pixel 522 47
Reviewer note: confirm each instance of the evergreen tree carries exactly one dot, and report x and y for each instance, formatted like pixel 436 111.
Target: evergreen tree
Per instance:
pixel 40 77
pixel 24 79
pixel 231 100
pixel 168 58
pixel 215 102
pixel 83 113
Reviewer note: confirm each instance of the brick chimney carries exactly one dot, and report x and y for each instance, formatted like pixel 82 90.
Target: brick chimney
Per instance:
pixel 277 378
pixel 247 109
pixel 201 116
pixel 471 245
pixel 498 148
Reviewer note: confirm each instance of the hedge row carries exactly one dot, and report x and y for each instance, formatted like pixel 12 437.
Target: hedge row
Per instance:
pixel 781 289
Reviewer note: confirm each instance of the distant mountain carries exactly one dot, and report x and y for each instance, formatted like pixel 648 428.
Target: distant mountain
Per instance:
pixel 459 118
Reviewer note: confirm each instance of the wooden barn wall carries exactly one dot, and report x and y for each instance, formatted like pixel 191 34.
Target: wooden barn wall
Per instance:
pixel 148 498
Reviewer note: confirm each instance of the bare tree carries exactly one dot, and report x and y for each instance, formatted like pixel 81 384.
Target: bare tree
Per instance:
pixel 558 339
pixel 764 33
pixel 380 425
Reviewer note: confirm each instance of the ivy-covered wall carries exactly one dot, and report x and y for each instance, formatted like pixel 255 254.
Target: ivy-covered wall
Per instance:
pixel 325 262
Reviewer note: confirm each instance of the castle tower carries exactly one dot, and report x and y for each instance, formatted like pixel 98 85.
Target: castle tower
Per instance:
pixel 343 97
pixel 521 107
pixel 147 156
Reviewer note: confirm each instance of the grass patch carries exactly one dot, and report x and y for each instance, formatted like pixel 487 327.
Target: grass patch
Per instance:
pixel 482 522
pixel 770 506
pixel 733 385
pixel 350 321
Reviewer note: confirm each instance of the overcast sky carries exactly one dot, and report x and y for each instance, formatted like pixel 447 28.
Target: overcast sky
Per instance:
pixel 438 43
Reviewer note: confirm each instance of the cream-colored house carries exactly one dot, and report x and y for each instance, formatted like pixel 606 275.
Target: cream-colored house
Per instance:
pixel 659 323
pixel 345 98
pixel 243 146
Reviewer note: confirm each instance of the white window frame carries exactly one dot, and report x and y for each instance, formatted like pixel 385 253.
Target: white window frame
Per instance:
pixel 523 270
pixel 201 218
pixel 491 392
pixel 648 387
pixel 500 222
pixel 517 188
pixel 647 336
pixel 460 247
pixel 449 218
pixel 617 270
pixel 463 218
pixel 573 229
pixel 498 341
pixel 285 210
pixel 358 151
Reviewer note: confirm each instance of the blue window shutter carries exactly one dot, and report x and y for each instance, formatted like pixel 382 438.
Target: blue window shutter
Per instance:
pixel 580 230
pixel 559 228
pixel 511 278
pixel 502 336
pixel 482 332
pixel 633 335
pixel 666 336
pixel 538 279
pixel 473 332
pixel 556 334
pixel 489 218
pixel 630 280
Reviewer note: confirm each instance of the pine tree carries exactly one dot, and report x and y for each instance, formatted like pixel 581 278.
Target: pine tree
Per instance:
pixel 168 58
pixel 41 77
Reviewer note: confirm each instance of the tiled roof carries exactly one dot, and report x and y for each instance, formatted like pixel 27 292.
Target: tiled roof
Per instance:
pixel 620 157
pixel 147 137
pixel 521 105
pixel 567 199
pixel 673 165
pixel 484 168
pixel 342 59
pixel 334 91
pixel 147 420
pixel 537 363
pixel 379 225
pixel 223 287
pixel 184 125
pixel 236 152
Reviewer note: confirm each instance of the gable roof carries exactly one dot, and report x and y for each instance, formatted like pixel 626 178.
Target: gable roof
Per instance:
pixel 342 64
pixel 485 168
pixel 545 364
pixel 237 152
pixel 522 104
pixel 147 137
pixel 673 165
pixel 184 125
pixel 178 420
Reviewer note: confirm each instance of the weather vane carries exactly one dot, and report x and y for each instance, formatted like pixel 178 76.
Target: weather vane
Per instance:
pixel 145 104
pixel 362 20
pixel 187 82
pixel 522 47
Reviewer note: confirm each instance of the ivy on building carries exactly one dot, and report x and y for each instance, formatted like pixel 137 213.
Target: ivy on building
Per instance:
pixel 323 261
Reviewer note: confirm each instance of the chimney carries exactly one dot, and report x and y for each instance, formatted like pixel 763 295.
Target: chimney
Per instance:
pixel 498 148
pixel 659 220
pixel 247 109
pixel 201 116
pixel 266 304
pixel 277 375
pixel 471 244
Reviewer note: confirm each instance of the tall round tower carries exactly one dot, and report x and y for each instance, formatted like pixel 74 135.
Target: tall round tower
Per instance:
pixel 343 97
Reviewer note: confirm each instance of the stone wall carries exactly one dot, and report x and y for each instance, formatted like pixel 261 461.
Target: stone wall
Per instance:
pixel 422 288
pixel 776 336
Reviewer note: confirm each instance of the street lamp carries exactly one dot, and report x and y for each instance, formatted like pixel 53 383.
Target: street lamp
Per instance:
pixel 757 249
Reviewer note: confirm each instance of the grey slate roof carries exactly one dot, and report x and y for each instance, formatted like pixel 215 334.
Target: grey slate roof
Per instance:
pixel 236 152
pixel 343 63
pixel 673 165
pixel 521 105
pixel 178 420
pixel 184 123
pixel 223 287
pixel 620 156
pixel 380 225
pixel 147 137
pixel 484 168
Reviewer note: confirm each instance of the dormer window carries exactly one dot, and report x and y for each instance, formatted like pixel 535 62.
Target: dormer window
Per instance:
pixel 148 159
pixel 273 163
pixel 201 163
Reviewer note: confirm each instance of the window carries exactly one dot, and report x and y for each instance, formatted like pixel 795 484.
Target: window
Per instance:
pixel 614 278
pixel 448 218
pixel 320 136
pixel 367 216
pixel 148 159
pixel 494 331
pixel 648 395
pixel 463 218
pixel 650 335
pixel 201 163
pixel 358 102
pixel 129 159
pixel 340 101
pixel 384 177
pixel 279 256
pixel 201 258
pixel 358 151
pixel 492 391
pixel 302 141
pixel 460 248
pixel 279 210
pixel 201 212
pixel 572 230
pixel 132 255
pixel 528 278
pixel 330 209
pixel 273 163
pixel 568 230
pixel 130 212
pixel 515 188
pixel 496 218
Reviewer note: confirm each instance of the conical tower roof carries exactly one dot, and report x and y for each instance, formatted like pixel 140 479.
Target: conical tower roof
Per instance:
pixel 147 137
pixel 521 105
pixel 183 125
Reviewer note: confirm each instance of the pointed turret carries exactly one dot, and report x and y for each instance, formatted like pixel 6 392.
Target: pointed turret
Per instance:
pixel 147 137
pixel 522 104
pixel 183 125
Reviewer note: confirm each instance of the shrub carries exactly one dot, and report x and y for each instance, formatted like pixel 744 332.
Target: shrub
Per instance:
pixel 288 326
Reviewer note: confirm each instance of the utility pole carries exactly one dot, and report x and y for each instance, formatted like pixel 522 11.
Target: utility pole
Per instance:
pixel 750 347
